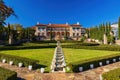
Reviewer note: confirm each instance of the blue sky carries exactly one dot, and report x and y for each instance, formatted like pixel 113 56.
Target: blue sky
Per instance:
pixel 87 12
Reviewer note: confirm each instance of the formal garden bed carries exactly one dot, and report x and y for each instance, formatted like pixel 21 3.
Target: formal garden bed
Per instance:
pixel 77 54
pixel 76 58
pixel 16 60
pixel 93 46
pixel 6 74
pixel 44 56
pixel 112 75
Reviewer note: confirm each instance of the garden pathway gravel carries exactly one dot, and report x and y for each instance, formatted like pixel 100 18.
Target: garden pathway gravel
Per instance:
pixel 93 74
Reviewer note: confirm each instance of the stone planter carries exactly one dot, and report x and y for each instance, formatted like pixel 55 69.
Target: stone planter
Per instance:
pixel 100 63
pixel 114 60
pixel 119 58
pixel 64 64
pixel 101 77
pixel 80 69
pixel 63 69
pixel 11 63
pixel 30 67
pixel 20 64
pixel 4 60
pixel 42 70
pixel 91 66
pixel 107 62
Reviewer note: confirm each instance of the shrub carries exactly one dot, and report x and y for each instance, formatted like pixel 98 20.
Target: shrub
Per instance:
pixel 6 74
pixel 25 47
pixel 112 75
pixel 94 47
pixel 16 59
pixel 95 61
pixel 53 41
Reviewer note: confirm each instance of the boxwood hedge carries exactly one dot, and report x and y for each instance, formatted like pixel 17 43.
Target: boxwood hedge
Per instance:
pixel 112 75
pixel 95 61
pixel 94 47
pixel 25 47
pixel 16 59
pixel 6 74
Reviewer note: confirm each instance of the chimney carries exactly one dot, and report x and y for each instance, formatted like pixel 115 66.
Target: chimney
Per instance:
pixel 38 23
pixel 49 23
pixel 78 23
pixel 66 23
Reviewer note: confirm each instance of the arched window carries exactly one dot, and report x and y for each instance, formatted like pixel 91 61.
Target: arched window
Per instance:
pixel 48 33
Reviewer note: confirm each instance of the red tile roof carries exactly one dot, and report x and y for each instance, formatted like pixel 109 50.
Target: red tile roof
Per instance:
pixel 41 25
pixel 33 27
pixel 58 25
pixel 75 25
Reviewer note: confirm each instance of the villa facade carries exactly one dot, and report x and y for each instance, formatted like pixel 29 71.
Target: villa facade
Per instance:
pixel 59 31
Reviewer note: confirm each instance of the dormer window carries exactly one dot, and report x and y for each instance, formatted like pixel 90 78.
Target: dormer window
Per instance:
pixel 74 29
pixel 43 29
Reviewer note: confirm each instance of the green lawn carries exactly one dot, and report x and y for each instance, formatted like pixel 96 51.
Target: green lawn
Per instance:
pixel 73 55
pixel 43 55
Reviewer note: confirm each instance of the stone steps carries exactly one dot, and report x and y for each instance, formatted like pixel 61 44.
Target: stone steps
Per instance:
pixel 58 62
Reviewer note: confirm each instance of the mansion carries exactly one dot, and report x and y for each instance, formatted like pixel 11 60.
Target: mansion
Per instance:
pixel 59 31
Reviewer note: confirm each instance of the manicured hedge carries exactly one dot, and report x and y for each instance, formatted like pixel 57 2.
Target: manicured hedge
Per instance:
pixel 25 47
pixel 16 59
pixel 95 61
pixel 112 75
pixel 6 74
pixel 93 47
pixel 70 41
pixel 53 41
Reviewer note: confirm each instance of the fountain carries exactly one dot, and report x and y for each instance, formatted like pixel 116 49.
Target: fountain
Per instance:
pixel 58 62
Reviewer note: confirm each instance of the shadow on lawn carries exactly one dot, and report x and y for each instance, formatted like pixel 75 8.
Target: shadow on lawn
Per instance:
pixel 18 78
pixel 38 66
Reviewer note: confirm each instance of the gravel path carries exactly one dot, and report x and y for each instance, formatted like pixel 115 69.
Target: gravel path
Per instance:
pixel 93 74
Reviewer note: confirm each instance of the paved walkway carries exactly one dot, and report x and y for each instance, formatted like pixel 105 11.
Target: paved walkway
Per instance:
pixel 93 74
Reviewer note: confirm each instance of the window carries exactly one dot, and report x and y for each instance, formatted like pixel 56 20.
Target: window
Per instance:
pixel 73 34
pixel 48 28
pixel 43 28
pixel 78 29
pixel 39 28
pixel 77 34
pixel 73 28
pixel 42 34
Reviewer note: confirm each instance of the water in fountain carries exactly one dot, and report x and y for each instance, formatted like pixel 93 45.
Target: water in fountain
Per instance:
pixel 58 62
